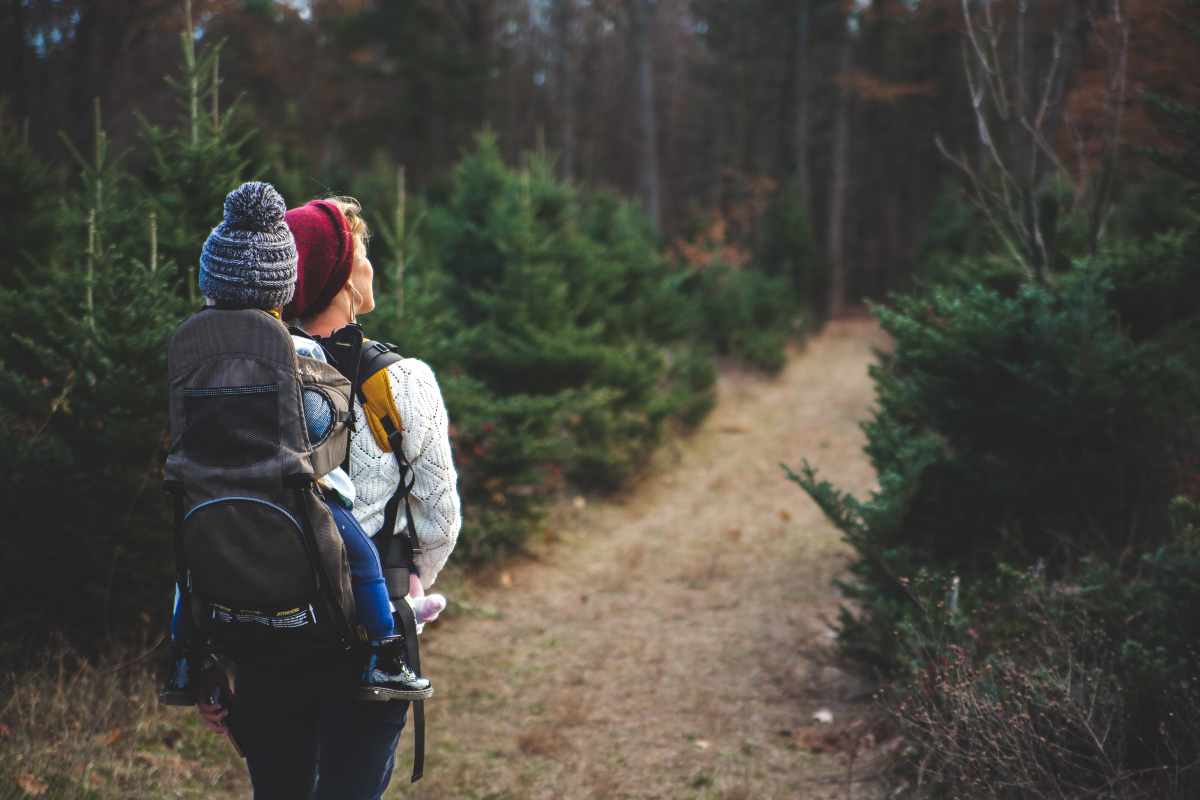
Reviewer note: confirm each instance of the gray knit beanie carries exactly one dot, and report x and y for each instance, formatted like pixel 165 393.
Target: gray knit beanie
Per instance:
pixel 250 258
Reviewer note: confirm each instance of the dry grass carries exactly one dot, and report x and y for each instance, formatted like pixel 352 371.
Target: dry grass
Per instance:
pixel 76 729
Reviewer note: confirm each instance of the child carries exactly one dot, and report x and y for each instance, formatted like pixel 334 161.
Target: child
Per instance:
pixel 249 261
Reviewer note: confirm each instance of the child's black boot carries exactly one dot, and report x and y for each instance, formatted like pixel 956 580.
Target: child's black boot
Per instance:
pixel 388 675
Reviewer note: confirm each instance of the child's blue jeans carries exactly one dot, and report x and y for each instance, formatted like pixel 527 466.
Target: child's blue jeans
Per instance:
pixel 366 575
pixel 374 609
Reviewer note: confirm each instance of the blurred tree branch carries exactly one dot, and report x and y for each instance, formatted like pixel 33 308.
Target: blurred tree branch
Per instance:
pixel 1013 181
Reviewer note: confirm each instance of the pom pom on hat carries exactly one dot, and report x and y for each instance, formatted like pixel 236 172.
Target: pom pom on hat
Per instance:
pixel 254 206
pixel 249 260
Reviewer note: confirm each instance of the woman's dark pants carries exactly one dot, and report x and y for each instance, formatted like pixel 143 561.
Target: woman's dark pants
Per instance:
pixel 306 737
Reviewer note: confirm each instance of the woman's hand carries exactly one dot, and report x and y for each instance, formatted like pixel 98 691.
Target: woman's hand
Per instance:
pixel 213 717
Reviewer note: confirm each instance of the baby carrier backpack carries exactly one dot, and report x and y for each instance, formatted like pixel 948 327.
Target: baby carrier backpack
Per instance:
pixel 258 555
pixel 259 558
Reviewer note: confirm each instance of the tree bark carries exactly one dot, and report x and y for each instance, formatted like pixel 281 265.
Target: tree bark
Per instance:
pixel 564 20
pixel 839 185
pixel 803 85
pixel 641 17
pixel 19 55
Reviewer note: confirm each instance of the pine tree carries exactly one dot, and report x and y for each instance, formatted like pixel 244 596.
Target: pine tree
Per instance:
pixel 551 320
pixel 82 383
pixel 194 164
pixel 28 196
pixel 82 411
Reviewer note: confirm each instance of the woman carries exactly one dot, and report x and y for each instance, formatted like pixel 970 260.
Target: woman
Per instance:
pixel 302 730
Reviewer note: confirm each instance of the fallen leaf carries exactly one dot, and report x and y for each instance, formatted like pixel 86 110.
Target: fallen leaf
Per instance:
pixel 785 516
pixel 31 785
pixel 816 741
pixel 506 580
pixel 109 738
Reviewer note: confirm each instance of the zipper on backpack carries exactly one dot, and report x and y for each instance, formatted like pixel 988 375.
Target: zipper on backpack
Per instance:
pixel 225 391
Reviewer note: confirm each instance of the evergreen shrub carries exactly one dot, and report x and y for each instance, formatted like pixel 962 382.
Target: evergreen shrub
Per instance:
pixel 554 326
pixel 786 250
pixel 1039 427
pixel 28 192
pixel 82 426
pixel 83 417
pixel 745 314
pixel 1023 576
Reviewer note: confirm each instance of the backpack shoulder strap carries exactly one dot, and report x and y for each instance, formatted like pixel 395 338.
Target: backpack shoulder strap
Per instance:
pixel 374 390
pixel 397 552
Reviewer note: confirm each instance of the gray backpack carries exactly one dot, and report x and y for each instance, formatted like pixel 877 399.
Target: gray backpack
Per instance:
pixel 258 555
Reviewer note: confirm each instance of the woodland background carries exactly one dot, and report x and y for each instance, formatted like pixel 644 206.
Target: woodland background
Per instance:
pixel 578 207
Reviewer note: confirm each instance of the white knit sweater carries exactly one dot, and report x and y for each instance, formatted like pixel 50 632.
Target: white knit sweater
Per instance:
pixel 376 475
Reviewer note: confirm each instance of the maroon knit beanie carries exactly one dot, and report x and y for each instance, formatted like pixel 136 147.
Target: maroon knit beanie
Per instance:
pixel 326 249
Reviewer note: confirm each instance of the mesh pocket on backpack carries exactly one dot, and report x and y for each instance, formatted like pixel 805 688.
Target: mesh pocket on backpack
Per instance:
pixel 231 426
pixel 318 414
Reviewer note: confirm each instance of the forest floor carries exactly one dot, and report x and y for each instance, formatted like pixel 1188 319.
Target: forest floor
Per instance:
pixel 670 642
pixel 675 641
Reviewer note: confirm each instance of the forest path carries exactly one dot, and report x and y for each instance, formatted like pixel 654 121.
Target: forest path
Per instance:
pixel 667 643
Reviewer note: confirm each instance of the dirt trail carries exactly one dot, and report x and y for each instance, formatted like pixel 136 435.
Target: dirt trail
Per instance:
pixel 661 646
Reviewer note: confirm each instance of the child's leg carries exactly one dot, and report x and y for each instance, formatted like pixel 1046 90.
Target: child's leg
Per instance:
pixel 179 688
pixel 366 575
pixel 181 622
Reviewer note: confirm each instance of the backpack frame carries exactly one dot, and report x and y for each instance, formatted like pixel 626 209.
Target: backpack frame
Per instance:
pixel 259 560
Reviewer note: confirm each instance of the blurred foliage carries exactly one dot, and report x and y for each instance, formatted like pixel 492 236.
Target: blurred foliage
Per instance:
pixel 565 342
pixel 787 249
pixel 1038 427
pixel 28 184
pixel 83 419
pixel 560 335
pixel 1023 574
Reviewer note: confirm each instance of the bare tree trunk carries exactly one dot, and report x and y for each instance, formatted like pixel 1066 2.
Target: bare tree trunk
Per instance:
pixel 481 33
pixel 641 17
pixel 803 101
pixel 1019 103
pixel 839 186
pixel 894 255
pixel 20 90
pixel 564 19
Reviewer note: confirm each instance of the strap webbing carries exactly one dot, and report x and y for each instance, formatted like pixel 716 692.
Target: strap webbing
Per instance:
pixel 176 492
pixel 181 569
pixel 397 553
pixel 408 626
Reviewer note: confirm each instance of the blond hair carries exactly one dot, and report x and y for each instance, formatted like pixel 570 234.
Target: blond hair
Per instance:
pixel 352 210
